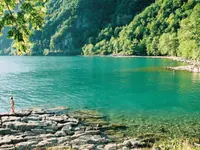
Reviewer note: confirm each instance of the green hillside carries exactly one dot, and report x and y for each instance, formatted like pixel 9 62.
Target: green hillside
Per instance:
pixel 73 23
pixel 166 27
pixel 119 27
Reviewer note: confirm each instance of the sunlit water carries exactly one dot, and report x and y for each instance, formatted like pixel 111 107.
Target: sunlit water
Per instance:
pixel 114 86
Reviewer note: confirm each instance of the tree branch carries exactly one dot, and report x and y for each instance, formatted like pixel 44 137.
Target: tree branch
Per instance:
pixel 11 13
pixel 15 20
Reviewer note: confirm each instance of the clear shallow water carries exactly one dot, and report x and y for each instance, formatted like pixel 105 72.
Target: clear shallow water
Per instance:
pixel 115 86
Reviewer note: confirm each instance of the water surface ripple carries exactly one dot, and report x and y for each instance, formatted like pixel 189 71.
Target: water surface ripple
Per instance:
pixel 128 86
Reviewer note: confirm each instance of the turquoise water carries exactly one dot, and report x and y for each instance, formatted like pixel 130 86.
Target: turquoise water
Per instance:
pixel 128 86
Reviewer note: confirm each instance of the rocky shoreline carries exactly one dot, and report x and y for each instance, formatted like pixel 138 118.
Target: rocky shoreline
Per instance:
pixel 192 65
pixel 57 129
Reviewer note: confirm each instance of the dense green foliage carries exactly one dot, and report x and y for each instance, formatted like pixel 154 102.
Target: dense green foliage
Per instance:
pixel 73 23
pixel 167 27
pixel 103 27
pixel 21 17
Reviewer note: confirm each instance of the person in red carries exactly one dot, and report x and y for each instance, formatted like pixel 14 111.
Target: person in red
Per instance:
pixel 12 103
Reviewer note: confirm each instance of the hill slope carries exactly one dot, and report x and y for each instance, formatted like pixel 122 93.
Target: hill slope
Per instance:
pixel 166 27
pixel 73 23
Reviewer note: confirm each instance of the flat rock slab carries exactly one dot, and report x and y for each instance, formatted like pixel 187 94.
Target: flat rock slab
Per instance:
pixel 39 129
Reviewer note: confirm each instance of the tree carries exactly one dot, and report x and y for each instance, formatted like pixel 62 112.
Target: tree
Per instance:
pixel 189 35
pixel 168 44
pixel 22 17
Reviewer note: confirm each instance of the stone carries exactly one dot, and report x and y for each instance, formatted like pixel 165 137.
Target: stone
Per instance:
pixel 75 147
pixel 60 125
pixel 31 118
pixel 10 119
pixel 48 142
pixel 25 145
pixel 97 139
pixel 16 139
pixel 87 147
pixel 111 146
pixel 52 140
pixel 44 144
pixel 93 132
pixel 9 125
pixel 30 138
pixel 60 147
pixel 59 119
pixel 78 135
pixel 4 131
pixel 81 140
pixel 5 140
pixel 62 140
pixel 28 133
pixel 134 143
pixel 24 112
pixel 196 69
pixel 79 132
pixel 60 133
pixel 21 125
pixel 67 128
pixel 50 131
pixel 38 111
pixel 46 135
pixel 73 120
pixel 45 117
pixel 38 131
pixel 7 147
pixel 46 130
pixel 126 143
pixel 125 148
pixel 73 124
pixel 100 147
pixel 89 128
pixel 79 128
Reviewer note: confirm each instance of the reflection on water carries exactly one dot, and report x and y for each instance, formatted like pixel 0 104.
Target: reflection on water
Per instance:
pixel 195 77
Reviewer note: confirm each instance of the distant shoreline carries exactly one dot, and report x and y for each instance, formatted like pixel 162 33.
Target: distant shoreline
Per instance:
pixel 191 65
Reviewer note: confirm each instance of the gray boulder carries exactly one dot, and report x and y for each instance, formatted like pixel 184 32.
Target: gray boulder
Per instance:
pixel 111 146
pixel 60 133
pixel 25 145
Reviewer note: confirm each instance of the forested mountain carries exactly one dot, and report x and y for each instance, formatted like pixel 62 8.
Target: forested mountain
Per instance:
pixel 120 27
pixel 73 23
pixel 166 27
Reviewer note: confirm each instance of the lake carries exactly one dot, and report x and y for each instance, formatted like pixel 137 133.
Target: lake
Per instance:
pixel 113 86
